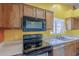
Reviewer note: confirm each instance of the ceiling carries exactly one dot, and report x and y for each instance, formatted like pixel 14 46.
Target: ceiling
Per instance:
pixel 59 9
pixel 50 4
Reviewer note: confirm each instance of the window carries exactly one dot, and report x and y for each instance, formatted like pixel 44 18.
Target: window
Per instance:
pixel 59 26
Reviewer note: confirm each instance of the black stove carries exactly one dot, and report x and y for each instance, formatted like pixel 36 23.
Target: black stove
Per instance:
pixel 32 41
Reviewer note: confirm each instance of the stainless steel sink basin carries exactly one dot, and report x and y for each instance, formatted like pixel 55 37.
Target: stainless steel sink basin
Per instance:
pixel 64 38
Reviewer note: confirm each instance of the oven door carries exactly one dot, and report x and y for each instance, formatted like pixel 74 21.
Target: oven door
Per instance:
pixel 44 54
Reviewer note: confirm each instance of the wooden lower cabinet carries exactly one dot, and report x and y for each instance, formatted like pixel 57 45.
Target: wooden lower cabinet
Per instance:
pixel 1 36
pixel 70 49
pixel 77 47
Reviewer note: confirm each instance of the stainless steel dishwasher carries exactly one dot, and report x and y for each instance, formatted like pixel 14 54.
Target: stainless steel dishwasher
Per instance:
pixel 58 50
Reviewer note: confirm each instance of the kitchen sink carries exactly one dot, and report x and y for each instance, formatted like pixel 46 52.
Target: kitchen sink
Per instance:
pixel 54 41
pixel 64 38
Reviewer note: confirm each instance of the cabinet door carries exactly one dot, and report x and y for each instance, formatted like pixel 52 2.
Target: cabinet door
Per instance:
pixel 68 24
pixel 40 13
pixel 70 49
pixel 29 11
pixel 12 16
pixel 77 22
pixel 77 47
pixel 1 36
pixel 49 20
pixel 77 44
pixel 15 20
pixel 21 12
pixel 1 16
pixel 71 23
pixel 6 14
pixel 73 49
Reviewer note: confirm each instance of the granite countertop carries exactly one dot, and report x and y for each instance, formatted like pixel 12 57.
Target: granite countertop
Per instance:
pixel 15 47
pixel 8 48
pixel 53 41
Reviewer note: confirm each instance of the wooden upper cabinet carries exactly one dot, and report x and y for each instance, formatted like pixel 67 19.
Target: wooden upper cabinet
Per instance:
pixel 29 11
pixel 1 36
pixel 49 20
pixel 21 11
pixel 1 16
pixel 11 13
pixel 34 12
pixel 15 20
pixel 69 23
pixel 40 13
pixel 77 22
pixel 72 23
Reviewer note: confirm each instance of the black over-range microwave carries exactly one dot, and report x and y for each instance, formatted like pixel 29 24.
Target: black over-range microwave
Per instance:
pixel 33 24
